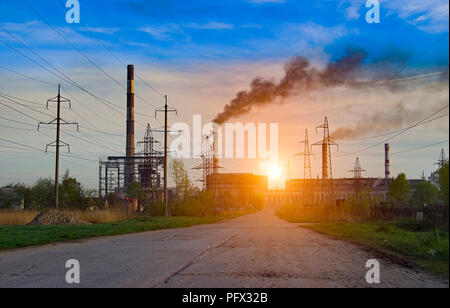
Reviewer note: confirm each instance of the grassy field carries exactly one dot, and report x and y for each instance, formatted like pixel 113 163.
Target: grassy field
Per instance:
pixel 22 236
pixel 416 243
pixel 11 218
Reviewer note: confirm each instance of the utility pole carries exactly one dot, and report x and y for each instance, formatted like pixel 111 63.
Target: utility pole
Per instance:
pixel 57 144
pixel 307 171
pixel 166 111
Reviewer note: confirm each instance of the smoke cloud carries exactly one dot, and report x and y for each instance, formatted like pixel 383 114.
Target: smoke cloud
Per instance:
pixel 300 77
pixel 397 117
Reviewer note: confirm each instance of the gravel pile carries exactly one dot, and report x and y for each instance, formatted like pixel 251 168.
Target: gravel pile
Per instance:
pixel 53 218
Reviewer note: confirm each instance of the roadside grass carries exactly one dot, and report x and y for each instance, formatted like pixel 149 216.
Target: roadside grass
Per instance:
pixel 414 242
pixel 12 237
pixel 11 218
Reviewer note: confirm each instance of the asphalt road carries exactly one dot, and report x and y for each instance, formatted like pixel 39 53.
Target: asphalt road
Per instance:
pixel 258 251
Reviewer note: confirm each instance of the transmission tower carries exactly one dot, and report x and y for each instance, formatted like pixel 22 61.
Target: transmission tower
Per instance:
pixel 58 143
pixel 208 165
pixel 442 159
pixel 327 167
pixel 357 176
pixel 149 170
pixel 307 171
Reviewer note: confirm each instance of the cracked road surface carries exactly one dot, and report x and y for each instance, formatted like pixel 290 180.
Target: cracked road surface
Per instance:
pixel 253 251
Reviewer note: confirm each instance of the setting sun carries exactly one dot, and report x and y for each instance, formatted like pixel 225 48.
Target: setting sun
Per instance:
pixel 275 172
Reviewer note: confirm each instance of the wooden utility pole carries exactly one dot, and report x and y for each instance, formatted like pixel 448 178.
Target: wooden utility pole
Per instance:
pixel 57 144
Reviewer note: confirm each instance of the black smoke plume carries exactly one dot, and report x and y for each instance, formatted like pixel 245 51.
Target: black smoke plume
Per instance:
pixel 300 77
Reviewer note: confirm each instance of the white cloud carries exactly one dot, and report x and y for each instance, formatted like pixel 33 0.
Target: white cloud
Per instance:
pixel 100 30
pixel 38 33
pixel 266 1
pixel 166 32
pixel 430 16
pixel 213 25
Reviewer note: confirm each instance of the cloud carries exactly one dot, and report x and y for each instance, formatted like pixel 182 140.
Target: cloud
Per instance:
pixel 320 34
pixel 429 16
pixel 213 25
pixel 38 33
pixel 171 32
pixel 266 1
pixel 100 30
pixel 352 13
pixel 166 33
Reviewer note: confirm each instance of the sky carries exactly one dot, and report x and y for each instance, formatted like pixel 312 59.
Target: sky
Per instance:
pixel 201 53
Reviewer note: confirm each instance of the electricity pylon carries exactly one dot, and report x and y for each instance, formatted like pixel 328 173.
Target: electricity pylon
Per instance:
pixel 58 143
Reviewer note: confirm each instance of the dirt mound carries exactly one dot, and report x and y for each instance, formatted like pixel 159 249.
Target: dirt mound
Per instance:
pixel 53 218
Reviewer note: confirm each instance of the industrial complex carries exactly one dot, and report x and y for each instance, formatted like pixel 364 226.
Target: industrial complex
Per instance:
pixel 149 168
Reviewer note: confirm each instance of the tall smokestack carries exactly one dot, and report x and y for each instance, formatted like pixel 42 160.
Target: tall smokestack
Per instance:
pixel 130 149
pixel 387 162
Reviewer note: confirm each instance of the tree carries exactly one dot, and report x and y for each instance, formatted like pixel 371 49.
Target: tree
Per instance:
pixel 181 179
pixel 43 193
pixel 426 193
pixel 399 193
pixel 72 193
pixel 443 182
pixel 135 190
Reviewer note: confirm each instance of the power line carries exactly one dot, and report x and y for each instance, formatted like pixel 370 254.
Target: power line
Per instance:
pixel 79 51
pixel 398 134
pixel 405 66
pixel 26 76
pixel 21 99
pixel 118 58
pixel 71 44
pixel 18 111
pixel 420 148
pixel 25 106
pixel 58 73
pixel 399 130
pixel 94 142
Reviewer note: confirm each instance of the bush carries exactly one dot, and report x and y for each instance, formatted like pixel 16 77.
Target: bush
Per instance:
pixel 415 226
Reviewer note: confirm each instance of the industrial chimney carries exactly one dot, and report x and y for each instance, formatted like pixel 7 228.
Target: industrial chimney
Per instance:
pixel 130 147
pixel 387 162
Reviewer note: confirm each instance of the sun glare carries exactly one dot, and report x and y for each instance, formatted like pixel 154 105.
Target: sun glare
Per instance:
pixel 275 172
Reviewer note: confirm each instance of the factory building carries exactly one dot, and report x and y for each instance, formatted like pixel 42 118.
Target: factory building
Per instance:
pixel 238 188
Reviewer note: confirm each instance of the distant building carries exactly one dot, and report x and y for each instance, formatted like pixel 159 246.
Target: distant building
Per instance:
pixel 311 192
pixel 238 187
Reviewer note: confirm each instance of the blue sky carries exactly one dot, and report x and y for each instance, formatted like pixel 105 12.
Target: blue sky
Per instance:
pixel 201 52
pixel 237 29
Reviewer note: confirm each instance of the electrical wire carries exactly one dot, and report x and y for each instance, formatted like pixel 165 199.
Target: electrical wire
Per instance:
pixel 396 135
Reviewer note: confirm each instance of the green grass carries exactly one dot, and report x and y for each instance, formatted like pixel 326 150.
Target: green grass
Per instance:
pixel 408 240
pixel 22 236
